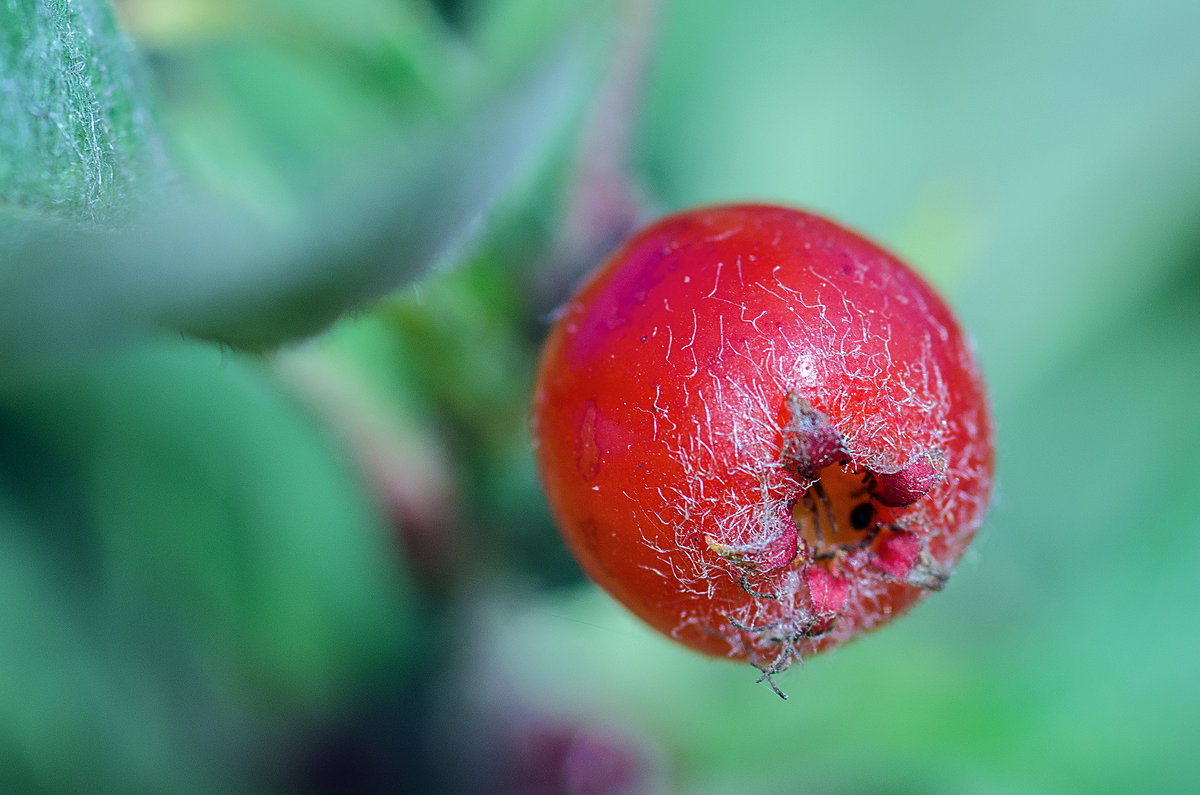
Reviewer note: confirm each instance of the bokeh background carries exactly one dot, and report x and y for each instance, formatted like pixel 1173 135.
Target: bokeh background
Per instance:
pixel 272 280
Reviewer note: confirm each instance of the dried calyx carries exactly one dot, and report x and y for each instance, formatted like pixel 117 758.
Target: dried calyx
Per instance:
pixel 846 510
pixel 898 489
pixel 810 442
pixel 841 509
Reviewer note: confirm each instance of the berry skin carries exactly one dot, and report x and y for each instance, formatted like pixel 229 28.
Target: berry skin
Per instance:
pixel 761 432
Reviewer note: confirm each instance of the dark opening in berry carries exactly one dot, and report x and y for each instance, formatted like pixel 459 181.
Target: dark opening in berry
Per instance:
pixel 861 516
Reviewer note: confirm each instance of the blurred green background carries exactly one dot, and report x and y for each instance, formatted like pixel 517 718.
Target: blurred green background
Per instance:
pixel 272 280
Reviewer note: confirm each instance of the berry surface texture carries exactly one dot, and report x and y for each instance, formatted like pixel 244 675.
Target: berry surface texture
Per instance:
pixel 762 433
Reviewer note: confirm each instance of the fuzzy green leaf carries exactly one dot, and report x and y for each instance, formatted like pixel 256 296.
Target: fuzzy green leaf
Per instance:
pixel 76 141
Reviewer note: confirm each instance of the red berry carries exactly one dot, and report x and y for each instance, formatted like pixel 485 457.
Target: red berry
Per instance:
pixel 761 432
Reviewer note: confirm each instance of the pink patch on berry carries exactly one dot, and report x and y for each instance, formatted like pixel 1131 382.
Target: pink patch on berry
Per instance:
pixel 895 554
pixel 827 592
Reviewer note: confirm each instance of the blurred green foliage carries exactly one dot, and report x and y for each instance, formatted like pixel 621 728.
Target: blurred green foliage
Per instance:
pixel 272 280
pixel 193 551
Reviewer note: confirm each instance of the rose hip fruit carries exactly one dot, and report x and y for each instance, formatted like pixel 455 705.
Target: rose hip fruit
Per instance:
pixel 761 432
